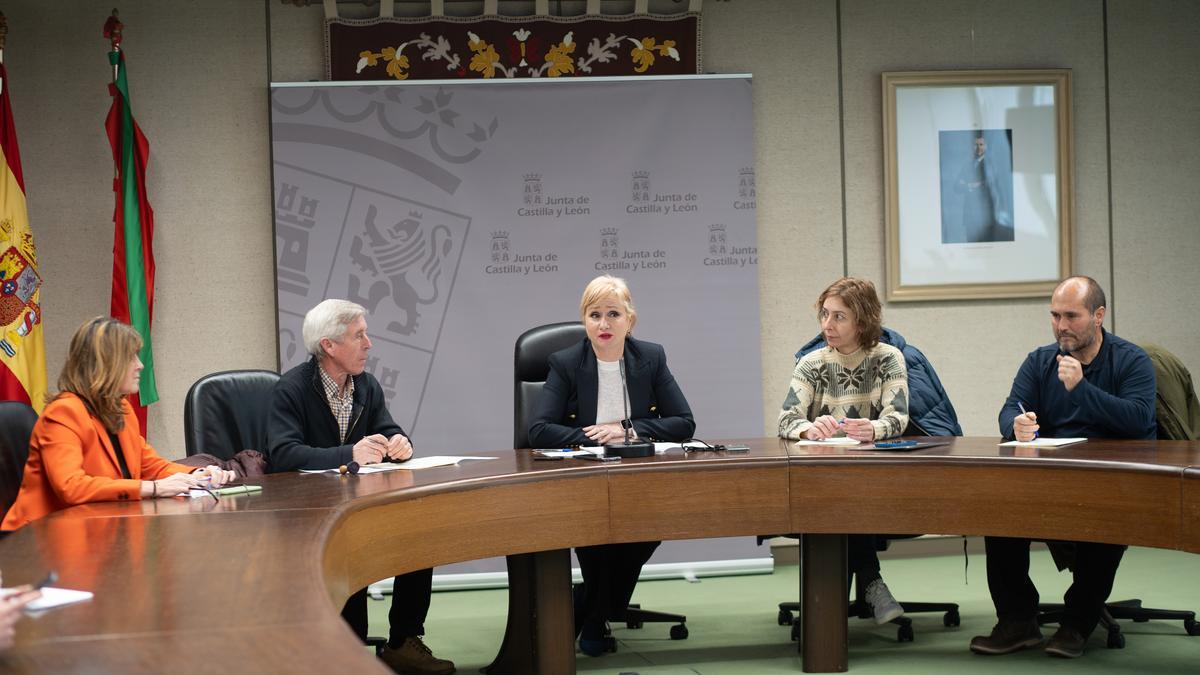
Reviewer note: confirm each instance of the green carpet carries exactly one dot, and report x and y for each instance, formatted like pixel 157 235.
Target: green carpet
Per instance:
pixel 733 627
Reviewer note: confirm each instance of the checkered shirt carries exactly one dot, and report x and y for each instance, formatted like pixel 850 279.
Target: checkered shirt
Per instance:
pixel 340 405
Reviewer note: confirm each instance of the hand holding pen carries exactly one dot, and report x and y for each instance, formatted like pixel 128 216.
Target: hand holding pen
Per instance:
pixel 860 429
pixel 1025 426
pixel 825 426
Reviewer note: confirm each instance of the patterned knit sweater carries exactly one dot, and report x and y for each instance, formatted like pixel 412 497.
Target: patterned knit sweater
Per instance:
pixel 870 383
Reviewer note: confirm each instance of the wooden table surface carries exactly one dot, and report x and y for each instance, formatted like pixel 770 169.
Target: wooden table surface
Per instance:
pixel 255 582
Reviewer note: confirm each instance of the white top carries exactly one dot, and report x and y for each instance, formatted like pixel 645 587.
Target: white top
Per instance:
pixel 609 406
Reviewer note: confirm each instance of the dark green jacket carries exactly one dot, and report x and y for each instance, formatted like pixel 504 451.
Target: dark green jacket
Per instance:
pixel 1176 406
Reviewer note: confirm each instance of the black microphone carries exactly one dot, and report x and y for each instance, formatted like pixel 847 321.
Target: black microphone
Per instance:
pixel 627 449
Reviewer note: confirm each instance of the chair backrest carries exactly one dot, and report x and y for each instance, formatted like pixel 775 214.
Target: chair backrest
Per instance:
pixel 16 426
pixel 1175 406
pixel 225 413
pixel 530 367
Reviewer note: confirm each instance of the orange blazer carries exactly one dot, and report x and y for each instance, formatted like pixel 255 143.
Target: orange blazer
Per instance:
pixel 71 461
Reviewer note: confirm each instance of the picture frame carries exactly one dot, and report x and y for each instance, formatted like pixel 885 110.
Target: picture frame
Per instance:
pixel 977 183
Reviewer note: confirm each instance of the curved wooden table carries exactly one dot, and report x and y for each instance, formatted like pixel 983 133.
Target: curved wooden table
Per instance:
pixel 255 583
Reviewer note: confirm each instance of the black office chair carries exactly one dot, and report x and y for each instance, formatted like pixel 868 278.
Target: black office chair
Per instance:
pixel 225 413
pixel 1178 415
pixel 16 426
pixel 530 368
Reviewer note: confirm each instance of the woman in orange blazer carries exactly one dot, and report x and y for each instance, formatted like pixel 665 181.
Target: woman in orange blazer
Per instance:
pixel 86 446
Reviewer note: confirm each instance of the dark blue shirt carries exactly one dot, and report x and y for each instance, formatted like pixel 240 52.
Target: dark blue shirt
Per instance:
pixel 1115 398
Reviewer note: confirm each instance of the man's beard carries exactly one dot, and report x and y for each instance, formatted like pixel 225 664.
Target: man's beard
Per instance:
pixel 1082 342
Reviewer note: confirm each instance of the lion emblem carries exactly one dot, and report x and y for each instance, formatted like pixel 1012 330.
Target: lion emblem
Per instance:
pixel 403 260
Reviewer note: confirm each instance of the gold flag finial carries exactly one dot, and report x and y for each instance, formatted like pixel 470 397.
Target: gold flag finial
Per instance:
pixel 112 30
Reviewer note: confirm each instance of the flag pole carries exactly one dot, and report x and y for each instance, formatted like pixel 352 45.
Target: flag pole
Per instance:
pixel 3 39
pixel 112 30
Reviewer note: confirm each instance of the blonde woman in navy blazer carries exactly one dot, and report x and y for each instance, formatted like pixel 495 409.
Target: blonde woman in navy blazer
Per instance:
pixel 581 405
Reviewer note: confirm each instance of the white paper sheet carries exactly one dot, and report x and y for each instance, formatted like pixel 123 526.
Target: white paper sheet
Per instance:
pixel 411 465
pixel 1043 443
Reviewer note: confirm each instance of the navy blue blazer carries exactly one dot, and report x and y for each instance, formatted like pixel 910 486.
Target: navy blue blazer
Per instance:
pixel 567 403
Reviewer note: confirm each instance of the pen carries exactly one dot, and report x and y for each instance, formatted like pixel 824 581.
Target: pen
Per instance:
pixel 50 578
pixel 1023 412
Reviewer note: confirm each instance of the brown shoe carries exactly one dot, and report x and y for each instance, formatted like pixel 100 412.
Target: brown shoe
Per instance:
pixel 414 658
pixel 1067 643
pixel 1008 637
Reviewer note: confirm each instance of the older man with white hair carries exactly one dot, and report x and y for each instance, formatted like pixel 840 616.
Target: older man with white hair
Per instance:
pixel 329 412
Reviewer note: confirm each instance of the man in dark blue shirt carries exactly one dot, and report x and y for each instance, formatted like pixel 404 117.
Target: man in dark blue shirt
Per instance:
pixel 1089 384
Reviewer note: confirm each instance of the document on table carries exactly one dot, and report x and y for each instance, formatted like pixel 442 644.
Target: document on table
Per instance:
pixel 838 440
pixel 659 448
pixel 411 465
pixel 51 597
pixel 1043 443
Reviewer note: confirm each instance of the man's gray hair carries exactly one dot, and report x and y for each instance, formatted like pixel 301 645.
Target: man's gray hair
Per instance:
pixel 329 319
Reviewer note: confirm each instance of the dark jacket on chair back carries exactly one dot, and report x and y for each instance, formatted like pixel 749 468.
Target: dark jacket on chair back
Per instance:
pixel 1176 407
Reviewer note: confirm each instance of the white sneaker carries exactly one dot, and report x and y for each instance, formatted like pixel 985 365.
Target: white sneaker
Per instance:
pixel 884 605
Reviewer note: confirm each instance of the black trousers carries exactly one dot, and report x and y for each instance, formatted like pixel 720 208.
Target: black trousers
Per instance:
pixel 610 572
pixel 1016 598
pixel 862 558
pixel 410 605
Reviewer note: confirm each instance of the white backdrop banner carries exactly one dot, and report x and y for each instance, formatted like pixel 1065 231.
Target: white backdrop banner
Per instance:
pixel 463 214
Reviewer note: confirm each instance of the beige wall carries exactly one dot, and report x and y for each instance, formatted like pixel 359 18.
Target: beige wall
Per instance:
pixel 199 74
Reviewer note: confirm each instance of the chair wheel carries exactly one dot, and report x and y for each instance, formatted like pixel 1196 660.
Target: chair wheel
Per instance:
pixel 951 619
pixel 633 624
pixel 1191 627
pixel 905 634
pixel 679 632
pixel 378 643
pixel 610 645
pixel 1115 641
pixel 785 617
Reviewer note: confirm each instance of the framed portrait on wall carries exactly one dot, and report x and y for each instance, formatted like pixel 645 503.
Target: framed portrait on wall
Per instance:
pixel 978 187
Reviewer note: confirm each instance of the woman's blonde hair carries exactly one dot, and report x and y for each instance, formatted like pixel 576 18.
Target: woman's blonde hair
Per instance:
pixel 97 362
pixel 601 288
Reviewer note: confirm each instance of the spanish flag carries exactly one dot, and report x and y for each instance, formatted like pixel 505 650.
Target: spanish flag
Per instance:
pixel 22 350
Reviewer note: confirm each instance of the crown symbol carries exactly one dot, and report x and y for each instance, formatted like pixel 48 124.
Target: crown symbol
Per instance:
pixel 608 232
pixel 746 171
pixel 716 227
pixel 641 174
pixel 533 176
pixel 500 234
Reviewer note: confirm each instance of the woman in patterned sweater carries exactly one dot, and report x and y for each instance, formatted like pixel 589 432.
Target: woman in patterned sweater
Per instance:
pixel 857 387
